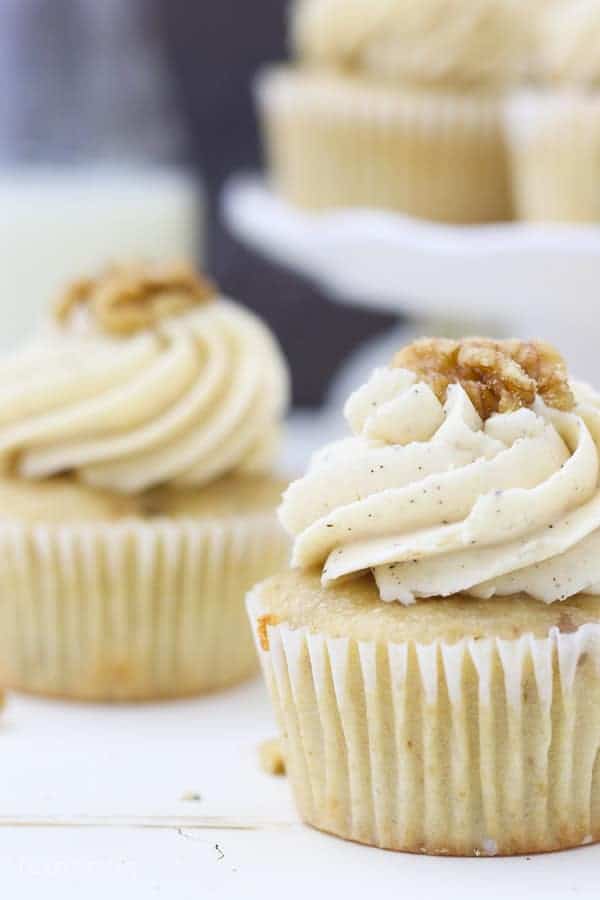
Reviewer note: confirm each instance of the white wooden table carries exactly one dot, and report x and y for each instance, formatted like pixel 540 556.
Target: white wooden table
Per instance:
pixel 94 805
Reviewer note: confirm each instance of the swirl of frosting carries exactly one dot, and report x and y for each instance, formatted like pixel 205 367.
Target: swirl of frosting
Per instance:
pixel 569 43
pixel 441 492
pixel 197 395
pixel 454 42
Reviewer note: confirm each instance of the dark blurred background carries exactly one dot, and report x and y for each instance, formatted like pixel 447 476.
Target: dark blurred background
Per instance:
pixel 90 84
pixel 214 49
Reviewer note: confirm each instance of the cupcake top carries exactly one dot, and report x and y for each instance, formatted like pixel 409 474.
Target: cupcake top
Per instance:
pixel 569 43
pixel 146 377
pixel 428 42
pixel 473 469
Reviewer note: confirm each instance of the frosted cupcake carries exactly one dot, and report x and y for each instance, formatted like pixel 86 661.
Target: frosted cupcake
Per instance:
pixel 554 128
pixel 395 104
pixel 138 498
pixel 434 656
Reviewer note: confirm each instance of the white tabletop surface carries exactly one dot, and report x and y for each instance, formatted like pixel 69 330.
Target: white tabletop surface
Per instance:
pixel 93 806
pixel 95 803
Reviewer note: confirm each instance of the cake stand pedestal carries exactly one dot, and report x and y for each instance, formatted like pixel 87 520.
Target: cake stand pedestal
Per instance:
pixel 518 279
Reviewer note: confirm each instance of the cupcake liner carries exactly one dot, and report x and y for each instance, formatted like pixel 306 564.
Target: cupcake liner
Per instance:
pixel 335 141
pixel 132 610
pixel 554 141
pixel 482 747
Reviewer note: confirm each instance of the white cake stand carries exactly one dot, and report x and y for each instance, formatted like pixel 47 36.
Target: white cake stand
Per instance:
pixel 522 279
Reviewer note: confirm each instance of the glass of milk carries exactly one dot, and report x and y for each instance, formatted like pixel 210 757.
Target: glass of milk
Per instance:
pixel 59 222
pixel 91 143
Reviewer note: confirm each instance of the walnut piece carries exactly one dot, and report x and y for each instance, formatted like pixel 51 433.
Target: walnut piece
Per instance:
pixel 128 298
pixel 271 758
pixel 498 376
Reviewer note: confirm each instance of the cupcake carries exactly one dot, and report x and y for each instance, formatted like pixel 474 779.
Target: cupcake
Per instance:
pixel 554 127
pixel 434 654
pixel 138 497
pixel 395 104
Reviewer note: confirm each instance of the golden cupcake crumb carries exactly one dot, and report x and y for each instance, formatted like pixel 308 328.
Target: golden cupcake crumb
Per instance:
pixel 128 298
pixel 498 376
pixel 191 797
pixel 271 758
pixel 262 625
pixel 566 625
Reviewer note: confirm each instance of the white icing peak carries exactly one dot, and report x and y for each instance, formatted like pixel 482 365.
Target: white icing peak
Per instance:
pixel 435 501
pixel 458 42
pixel 197 396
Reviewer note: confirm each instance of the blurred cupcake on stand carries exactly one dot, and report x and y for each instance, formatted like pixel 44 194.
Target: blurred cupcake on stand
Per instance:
pixel 554 127
pixel 396 104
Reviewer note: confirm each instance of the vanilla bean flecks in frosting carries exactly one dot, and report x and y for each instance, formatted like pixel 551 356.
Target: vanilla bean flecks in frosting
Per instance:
pixel 473 468
pixel 126 406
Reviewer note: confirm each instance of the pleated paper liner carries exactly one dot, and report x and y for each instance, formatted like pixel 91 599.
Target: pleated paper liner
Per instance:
pixel 133 610
pixel 340 141
pixel 555 156
pixel 480 747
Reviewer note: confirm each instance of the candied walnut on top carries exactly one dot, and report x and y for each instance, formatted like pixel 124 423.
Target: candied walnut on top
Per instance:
pixel 128 298
pixel 498 376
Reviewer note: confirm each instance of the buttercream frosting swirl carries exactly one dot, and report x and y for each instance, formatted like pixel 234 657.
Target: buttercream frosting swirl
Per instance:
pixel 569 43
pixel 437 500
pixel 197 395
pixel 439 42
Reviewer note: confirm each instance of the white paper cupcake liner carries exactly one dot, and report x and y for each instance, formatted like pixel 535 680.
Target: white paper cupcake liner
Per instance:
pixel 338 141
pixel 132 610
pixel 554 140
pixel 481 747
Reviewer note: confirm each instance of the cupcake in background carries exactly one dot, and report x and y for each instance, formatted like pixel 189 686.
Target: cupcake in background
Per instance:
pixel 434 655
pixel 138 495
pixel 554 127
pixel 396 104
